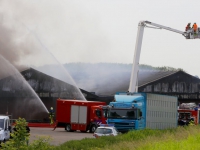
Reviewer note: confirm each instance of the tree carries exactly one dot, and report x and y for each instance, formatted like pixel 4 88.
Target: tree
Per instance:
pixel 19 137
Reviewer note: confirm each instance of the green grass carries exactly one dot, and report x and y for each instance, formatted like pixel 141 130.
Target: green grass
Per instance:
pixel 180 138
pixel 190 143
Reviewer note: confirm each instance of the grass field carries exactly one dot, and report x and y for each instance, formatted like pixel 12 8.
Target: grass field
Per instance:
pixel 181 138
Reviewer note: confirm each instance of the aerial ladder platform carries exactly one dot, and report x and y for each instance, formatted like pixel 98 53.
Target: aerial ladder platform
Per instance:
pixel 189 34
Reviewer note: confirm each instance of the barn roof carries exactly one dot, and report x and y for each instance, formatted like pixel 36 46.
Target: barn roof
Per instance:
pixel 148 76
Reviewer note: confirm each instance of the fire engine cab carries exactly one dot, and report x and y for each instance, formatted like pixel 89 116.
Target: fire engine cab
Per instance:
pixel 188 112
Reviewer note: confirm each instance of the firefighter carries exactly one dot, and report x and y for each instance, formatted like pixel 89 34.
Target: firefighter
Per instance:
pixel 181 121
pixel 192 121
pixel 51 115
pixel 188 27
pixel 195 27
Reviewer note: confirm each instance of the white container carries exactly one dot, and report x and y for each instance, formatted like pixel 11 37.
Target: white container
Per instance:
pixel 161 111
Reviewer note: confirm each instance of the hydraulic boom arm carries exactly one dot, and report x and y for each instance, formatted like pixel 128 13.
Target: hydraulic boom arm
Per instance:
pixel 135 68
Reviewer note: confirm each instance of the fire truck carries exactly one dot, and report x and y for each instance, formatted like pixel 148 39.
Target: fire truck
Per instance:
pixel 188 112
pixel 80 115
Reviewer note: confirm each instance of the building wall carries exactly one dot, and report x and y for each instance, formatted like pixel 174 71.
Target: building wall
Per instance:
pixel 180 84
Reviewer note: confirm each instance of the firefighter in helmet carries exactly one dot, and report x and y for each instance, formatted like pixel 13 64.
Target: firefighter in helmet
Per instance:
pixel 195 27
pixel 188 27
pixel 51 115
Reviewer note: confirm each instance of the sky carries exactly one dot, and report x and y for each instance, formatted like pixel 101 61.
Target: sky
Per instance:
pixel 95 31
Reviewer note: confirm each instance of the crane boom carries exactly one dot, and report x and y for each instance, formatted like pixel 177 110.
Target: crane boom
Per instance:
pixel 135 68
pixel 166 28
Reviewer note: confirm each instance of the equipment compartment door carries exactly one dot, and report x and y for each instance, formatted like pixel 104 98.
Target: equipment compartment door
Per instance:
pixel 74 117
pixel 82 117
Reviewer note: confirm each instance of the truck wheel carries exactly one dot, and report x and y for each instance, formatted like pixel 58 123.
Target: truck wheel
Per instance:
pixel 93 128
pixel 68 127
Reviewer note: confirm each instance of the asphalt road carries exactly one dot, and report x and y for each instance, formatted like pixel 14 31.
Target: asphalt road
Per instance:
pixel 58 136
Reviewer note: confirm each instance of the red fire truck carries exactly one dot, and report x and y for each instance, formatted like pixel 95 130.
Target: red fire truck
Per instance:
pixel 188 112
pixel 80 115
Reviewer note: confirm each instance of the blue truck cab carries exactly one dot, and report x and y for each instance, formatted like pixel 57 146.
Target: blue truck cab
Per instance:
pixel 127 112
pixel 142 110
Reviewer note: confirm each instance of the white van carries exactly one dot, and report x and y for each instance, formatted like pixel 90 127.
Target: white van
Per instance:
pixel 5 128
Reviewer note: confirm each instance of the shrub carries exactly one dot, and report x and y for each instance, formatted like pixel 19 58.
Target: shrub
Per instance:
pixel 20 139
pixel 42 143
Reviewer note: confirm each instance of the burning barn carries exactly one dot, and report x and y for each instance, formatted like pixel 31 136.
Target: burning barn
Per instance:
pixel 32 97
pixel 177 83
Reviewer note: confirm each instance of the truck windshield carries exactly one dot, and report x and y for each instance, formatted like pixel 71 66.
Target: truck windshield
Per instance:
pixel 123 113
pixel 98 113
pixel 184 115
pixel 2 123
pixel 103 131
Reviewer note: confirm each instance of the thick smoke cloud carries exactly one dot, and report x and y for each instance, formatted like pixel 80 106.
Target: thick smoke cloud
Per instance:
pixel 16 44
pixel 20 44
pixel 24 99
pixel 67 29
pixel 24 28
pixel 101 78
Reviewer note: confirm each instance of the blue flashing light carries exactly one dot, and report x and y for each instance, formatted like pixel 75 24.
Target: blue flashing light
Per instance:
pixel 107 125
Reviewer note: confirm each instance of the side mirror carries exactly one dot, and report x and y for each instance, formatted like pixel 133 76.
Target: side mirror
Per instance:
pixel 9 128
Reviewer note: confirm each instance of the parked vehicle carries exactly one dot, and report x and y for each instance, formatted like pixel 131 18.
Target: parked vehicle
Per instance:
pixel 80 115
pixel 188 112
pixel 5 128
pixel 143 110
pixel 105 130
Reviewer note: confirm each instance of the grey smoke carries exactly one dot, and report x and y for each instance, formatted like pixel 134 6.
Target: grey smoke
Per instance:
pixel 12 48
pixel 109 78
pixel 69 32
pixel 101 78
pixel 22 28
pixel 25 99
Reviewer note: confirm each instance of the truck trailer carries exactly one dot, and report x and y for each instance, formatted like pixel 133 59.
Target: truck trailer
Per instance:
pixel 143 110
pixel 80 115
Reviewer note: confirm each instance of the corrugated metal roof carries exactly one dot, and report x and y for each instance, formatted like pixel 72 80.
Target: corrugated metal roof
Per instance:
pixel 148 76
